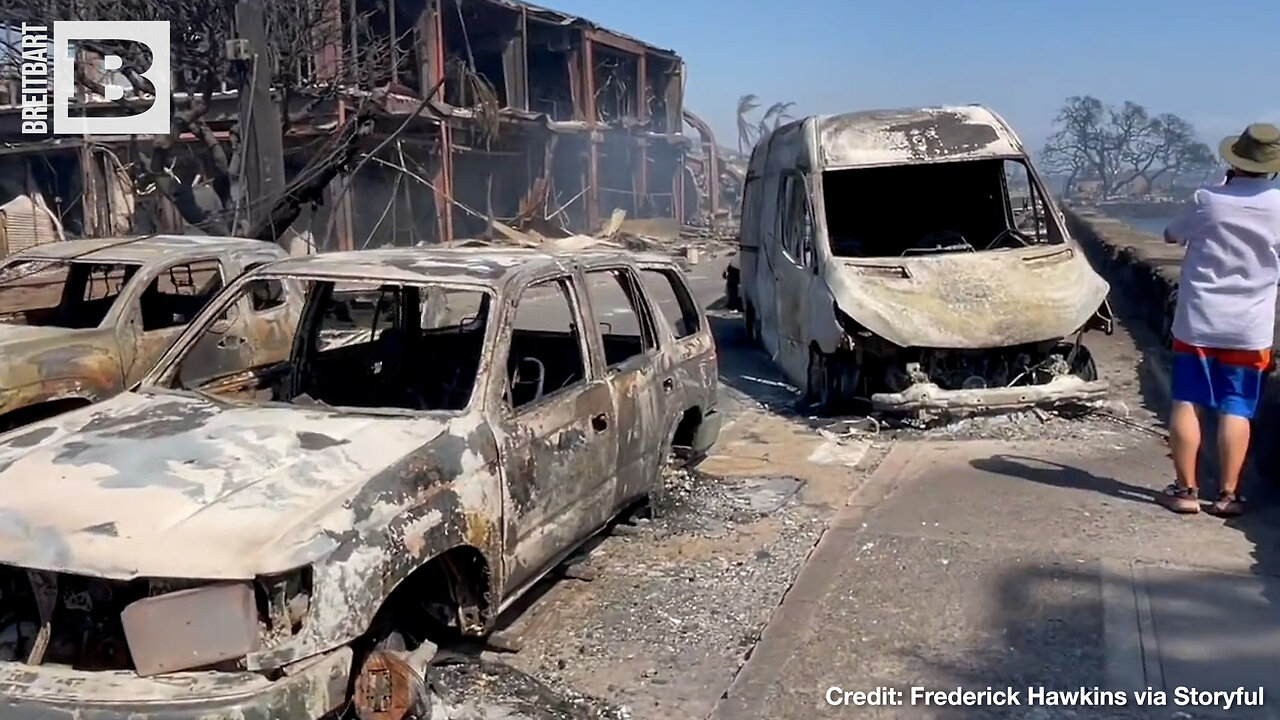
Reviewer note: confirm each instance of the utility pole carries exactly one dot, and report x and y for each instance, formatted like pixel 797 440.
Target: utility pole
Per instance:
pixel 262 178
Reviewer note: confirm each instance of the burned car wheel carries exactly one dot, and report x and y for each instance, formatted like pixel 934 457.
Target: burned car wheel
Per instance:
pixel 391 686
pixel 832 383
pixel 1083 364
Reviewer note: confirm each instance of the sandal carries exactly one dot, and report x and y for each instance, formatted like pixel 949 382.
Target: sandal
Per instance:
pixel 1179 499
pixel 1227 505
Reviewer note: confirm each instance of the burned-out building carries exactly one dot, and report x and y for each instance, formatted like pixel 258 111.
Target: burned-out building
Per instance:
pixel 541 119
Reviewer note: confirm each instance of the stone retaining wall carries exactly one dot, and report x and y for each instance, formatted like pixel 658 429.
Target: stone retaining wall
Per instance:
pixel 1141 265
pixel 1145 269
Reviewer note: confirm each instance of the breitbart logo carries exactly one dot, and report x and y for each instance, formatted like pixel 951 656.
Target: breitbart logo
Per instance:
pixel 48 77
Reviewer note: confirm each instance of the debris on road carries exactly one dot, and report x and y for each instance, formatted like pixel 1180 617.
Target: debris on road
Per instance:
pixel 488 690
pixel 679 599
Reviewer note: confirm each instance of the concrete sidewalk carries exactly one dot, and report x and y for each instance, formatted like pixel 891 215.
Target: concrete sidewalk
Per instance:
pixel 979 564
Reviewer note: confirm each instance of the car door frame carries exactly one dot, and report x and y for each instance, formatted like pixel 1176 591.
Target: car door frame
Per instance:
pixel 277 324
pixel 680 353
pixel 797 273
pixel 131 337
pixel 537 447
pixel 635 386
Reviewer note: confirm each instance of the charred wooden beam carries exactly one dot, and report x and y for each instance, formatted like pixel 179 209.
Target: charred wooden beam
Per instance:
pixel 593 148
pixel 515 63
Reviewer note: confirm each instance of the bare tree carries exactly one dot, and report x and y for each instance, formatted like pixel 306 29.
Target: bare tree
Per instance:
pixel 1116 146
pixel 298 33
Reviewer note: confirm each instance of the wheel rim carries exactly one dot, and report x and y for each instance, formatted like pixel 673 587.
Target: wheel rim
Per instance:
pixel 819 380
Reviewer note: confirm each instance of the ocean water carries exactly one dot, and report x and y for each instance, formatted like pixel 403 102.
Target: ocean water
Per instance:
pixel 1153 225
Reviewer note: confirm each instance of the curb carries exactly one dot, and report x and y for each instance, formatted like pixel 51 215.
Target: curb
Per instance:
pixel 1154 289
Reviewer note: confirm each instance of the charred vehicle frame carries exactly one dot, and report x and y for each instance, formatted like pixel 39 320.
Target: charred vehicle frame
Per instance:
pixel 913 260
pixel 82 320
pixel 288 539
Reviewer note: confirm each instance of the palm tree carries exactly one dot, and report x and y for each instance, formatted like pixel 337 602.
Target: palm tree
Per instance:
pixel 746 129
pixel 778 113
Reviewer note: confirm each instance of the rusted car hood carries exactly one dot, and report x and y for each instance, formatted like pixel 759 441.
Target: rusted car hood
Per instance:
pixel 172 486
pixel 971 300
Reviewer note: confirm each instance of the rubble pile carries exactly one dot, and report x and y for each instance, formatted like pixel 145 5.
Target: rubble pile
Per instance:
pixel 487 690
pixel 659 235
pixel 691 243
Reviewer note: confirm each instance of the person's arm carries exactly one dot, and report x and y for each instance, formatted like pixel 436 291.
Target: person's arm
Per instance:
pixel 1188 225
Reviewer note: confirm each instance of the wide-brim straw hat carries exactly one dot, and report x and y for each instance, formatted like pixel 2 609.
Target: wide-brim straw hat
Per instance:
pixel 1256 150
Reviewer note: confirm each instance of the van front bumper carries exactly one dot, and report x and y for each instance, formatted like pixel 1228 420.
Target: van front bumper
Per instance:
pixel 1063 390
pixel 48 692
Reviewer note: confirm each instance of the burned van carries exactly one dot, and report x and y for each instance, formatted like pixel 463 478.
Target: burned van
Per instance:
pixel 913 259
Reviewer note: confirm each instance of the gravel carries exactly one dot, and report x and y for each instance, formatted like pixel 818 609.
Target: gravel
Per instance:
pixel 496 691
pixel 678 600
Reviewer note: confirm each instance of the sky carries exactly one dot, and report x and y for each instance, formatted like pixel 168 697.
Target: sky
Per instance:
pixel 1215 63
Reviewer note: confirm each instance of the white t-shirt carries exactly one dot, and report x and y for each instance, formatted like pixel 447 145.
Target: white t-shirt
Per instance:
pixel 1227 290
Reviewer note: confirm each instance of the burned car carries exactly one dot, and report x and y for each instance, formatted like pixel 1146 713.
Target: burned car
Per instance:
pixel 83 319
pixel 912 260
pixel 280 540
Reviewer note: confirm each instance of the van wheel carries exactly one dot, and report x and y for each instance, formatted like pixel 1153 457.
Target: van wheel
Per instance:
pixel 832 382
pixel 732 296
pixel 752 322
pixel 1084 365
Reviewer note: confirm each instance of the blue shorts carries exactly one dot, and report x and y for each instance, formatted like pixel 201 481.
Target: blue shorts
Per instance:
pixel 1229 381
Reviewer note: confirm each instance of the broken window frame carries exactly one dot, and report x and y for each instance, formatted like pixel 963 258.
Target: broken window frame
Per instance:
pixel 165 376
pixel 1000 194
pixel 1040 208
pixel 283 294
pixel 306 338
pixel 632 288
pixel 690 318
pixel 154 277
pixel 72 285
pixel 795 217
pixel 573 296
pixel 752 187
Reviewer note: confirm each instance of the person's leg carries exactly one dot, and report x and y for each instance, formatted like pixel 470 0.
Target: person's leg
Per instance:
pixel 1237 380
pixel 1184 441
pixel 1233 445
pixel 1191 389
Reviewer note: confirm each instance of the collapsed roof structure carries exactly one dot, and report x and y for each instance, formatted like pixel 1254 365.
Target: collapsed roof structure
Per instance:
pixel 541 118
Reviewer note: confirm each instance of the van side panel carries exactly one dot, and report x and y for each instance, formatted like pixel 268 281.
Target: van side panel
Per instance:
pixel 784 149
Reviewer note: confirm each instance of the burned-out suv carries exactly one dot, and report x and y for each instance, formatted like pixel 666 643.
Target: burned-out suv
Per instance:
pixel 252 541
pixel 82 320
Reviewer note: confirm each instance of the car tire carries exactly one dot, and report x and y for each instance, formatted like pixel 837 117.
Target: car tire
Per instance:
pixel 1085 366
pixel 831 383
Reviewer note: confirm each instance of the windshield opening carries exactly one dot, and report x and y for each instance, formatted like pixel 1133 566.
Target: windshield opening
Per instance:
pixel 60 293
pixel 928 208
pixel 361 345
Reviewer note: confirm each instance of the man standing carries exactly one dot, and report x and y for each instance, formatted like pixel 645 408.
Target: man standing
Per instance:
pixel 1224 323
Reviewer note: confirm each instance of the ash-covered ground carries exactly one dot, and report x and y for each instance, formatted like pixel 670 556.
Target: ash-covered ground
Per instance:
pixel 676 602
pixel 672 607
